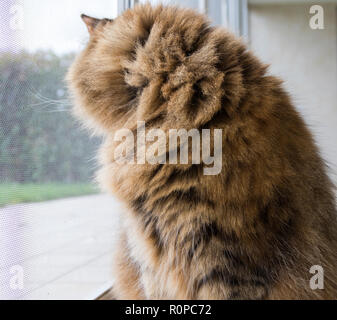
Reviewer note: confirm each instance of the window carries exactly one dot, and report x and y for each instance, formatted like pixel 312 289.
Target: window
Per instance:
pixel 229 13
pixel 54 244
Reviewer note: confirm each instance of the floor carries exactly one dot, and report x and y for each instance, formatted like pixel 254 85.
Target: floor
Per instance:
pixel 58 249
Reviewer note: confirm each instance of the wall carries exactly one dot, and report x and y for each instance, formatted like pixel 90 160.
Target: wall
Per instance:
pixel 307 60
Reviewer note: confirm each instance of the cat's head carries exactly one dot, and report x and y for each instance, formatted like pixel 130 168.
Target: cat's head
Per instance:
pixel 161 65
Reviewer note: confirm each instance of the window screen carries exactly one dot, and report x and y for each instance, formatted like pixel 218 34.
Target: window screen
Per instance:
pixel 54 243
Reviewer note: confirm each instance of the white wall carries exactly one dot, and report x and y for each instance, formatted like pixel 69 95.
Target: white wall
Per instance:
pixel 306 59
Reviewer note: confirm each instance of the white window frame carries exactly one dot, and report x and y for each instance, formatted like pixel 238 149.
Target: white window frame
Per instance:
pixel 237 17
pixel 203 6
pixel 123 5
pixel 235 13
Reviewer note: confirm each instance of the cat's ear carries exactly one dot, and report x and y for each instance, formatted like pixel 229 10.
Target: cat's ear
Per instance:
pixel 90 22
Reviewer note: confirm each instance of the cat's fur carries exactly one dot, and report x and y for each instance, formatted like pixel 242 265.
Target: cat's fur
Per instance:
pixel 251 232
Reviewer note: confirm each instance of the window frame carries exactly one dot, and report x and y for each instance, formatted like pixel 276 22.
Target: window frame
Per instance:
pixel 234 11
pixel 237 17
pixel 123 5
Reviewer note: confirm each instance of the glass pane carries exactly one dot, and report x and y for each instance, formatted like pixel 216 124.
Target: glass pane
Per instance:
pixel 54 243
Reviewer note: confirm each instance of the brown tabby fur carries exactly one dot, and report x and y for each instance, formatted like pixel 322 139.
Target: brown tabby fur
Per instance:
pixel 251 232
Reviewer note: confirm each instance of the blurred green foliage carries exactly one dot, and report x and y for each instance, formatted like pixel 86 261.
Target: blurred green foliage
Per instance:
pixel 13 193
pixel 39 139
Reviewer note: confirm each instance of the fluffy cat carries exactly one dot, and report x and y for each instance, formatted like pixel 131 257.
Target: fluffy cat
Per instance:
pixel 251 232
